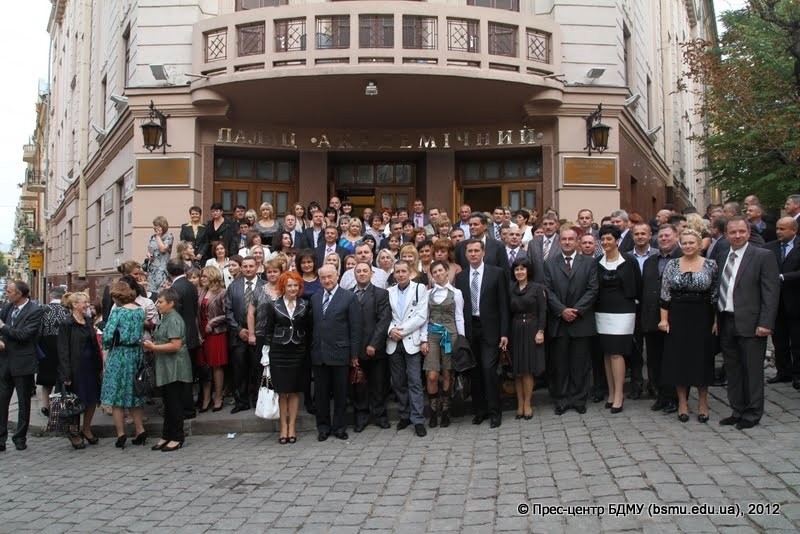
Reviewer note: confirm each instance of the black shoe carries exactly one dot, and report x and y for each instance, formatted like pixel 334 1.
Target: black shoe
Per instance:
pixel 445 420
pixel 240 408
pixel 744 424
pixel 20 445
pixel 608 405
pixel 158 446
pixel 341 435
pixel 359 428
pixel 420 430
pixel 403 423
pixel 434 422
pixel 140 439
pixel 120 443
pixel 614 409
pixel 560 410
pixel 580 409
pixel 45 412
pixel 384 424
pixel 92 441
pixel 702 418
pixel 495 422
pixel 778 379
pixel 683 417
pixel 203 410
pixel 322 436
pixel 478 419
pixel 670 407
pixel 729 421
pixel 173 448
pixel 518 416
pixel 658 405
pixel 216 408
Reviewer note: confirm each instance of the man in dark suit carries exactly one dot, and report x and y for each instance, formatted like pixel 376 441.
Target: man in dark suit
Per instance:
pixel 418 215
pixel 650 316
pixel 335 345
pixel 298 237
pixel 620 219
pixel 315 234
pixel 792 207
pixel 245 362
pixel 572 286
pixel 187 308
pixel 330 245
pixel 786 337
pixel 493 229
pixel 541 249
pixel 494 251
pixel 19 326
pixel 749 292
pixel 486 322
pixel 513 246
pixel 370 398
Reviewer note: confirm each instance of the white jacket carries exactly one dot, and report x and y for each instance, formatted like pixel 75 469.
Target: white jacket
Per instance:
pixel 413 321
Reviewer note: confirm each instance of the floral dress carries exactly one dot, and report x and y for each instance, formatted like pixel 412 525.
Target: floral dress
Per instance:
pixel 124 357
pixel 157 271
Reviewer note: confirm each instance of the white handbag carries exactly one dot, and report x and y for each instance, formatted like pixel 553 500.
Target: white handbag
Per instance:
pixel 267 404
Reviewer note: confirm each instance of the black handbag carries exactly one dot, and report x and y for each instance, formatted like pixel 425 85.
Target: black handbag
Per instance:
pixel 71 405
pixel 145 381
pixel 463 359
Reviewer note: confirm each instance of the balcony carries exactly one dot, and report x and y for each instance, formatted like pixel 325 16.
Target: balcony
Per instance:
pixel 30 152
pixel 34 181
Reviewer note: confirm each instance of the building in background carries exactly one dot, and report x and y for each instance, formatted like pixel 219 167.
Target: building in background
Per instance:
pixel 477 101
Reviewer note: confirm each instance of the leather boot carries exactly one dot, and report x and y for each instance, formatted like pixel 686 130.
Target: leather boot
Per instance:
pixel 434 422
pixel 444 405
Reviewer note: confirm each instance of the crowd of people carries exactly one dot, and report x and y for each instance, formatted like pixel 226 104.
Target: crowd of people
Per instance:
pixel 352 308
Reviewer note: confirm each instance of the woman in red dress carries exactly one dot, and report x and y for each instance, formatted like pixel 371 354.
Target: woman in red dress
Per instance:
pixel 213 352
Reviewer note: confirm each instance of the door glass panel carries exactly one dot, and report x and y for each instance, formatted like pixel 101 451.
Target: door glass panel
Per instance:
pixel 530 199
pixel 511 168
pixel 267 196
pixel 241 198
pixel 283 203
pixel 244 168
pixel 227 201
pixel 513 199
pixel 403 175
pixel 385 174
pixel 387 201
pixel 402 200
pixel 284 171
pixel 492 170
pixel 533 167
pixel 472 172
pixel 265 170
pixel 224 168
pixel 346 174
pixel 365 174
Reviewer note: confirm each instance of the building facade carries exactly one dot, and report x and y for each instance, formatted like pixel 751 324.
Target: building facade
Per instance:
pixel 482 102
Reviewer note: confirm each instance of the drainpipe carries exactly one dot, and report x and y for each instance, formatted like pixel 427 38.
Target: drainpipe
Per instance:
pixel 84 80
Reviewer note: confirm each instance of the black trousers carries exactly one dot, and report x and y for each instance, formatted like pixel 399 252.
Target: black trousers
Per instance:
pixel 172 395
pixel 655 362
pixel 485 385
pixel 187 391
pixel 23 386
pixel 786 339
pixel 571 361
pixel 246 364
pixel 744 364
pixel 370 399
pixel 635 360
pixel 327 379
pixel 599 383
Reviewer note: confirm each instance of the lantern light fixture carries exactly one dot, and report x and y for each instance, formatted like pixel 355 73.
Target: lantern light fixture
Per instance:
pixel 154 130
pixel 596 131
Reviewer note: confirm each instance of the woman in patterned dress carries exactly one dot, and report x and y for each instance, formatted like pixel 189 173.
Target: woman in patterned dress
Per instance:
pixel 122 338
pixel 159 250
pixel 53 314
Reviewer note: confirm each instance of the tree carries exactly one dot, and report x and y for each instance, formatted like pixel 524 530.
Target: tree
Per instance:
pixel 749 93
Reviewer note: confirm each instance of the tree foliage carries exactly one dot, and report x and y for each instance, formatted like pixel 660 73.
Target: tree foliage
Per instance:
pixel 749 92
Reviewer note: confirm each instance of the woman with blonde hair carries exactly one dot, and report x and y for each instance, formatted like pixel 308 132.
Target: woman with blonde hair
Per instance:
pixel 352 236
pixel 158 252
pixel 213 352
pixel 266 225
pixel 251 217
pixel 698 224
pixel 443 227
pixel 258 252
pixel 335 260
pixel 385 261
pixel 409 253
pixel 185 252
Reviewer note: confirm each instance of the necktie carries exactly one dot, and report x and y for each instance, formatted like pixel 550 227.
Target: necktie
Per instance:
pixel 325 302
pixel 512 255
pixel 725 281
pixel 359 294
pixel 329 250
pixel 474 290
pixel 14 315
pixel 497 231
pixel 546 248
pixel 569 264
pixel 784 247
pixel 248 294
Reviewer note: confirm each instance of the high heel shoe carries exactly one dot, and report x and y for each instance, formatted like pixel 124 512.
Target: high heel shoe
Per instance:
pixel 170 449
pixel 216 408
pixel 77 446
pixel 702 418
pixel 683 417
pixel 615 409
pixel 158 446
pixel 120 443
pixel 292 439
pixel 140 439
pixel 283 441
pixel 609 405
pixel 518 416
pixel 92 441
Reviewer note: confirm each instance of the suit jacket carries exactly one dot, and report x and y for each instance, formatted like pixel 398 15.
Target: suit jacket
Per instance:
pixel 299 239
pixel 720 253
pixel 535 256
pixel 577 289
pixel 235 310
pixel 651 292
pixel 412 320
pixel 228 233
pixel 756 291
pixel 626 244
pixel 200 242
pixel 337 334
pixel 767 232
pixel 790 269
pixel 19 356
pixel 494 253
pixel 490 229
pixel 376 314
pixel 283 328
pixel 493 302
pixel 309 234
pixel 70 353
pixel 215 311
pixel 320 251
pixel 187 308
pixel 425 220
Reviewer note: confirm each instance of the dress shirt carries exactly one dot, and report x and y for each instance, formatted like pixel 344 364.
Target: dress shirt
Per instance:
pixel 640 259
pixel 517 252
pixel 464 226
pixel 437 294
pixel 546 240
pixel 664 258
pixel 401 298
pixel 477 312
pixel 732 282
pixel 379 278
pixel 571 259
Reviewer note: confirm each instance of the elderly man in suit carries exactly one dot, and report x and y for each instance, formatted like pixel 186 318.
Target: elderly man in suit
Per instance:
pixel 376 314
pixel 786 337
pixel 494 250
pixel 541 249
pixel 572 286
pixel 19 326
pixel 486 323
pixel 749 292
pixel 335 345
pixel 408 336
pixel 245 362
pixel 187 309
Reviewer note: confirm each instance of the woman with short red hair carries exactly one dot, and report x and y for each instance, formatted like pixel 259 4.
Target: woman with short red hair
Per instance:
pixel 287 329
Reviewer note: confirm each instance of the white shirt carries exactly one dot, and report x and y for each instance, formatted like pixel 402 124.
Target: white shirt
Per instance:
pixel 640 259
pixel 517 252
pixel 464 226
pixel 379 278
pixel 479 270
pixel 546 240
pixel 438 294
pixel 732 282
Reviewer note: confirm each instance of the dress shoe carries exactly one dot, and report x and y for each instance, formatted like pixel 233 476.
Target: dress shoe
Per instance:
pixel 580 409
pixel 322 436
pixel 608 405
pixel 92 441
pixel 445 422
pixel 495 422
pixel 702 418
pixel 420 430
pixel 478 419
pixel 384 424
pixel 683 417
pixel 518 416
pixel 158 446
pixel 670 407
pixel 120 443
pixel 20 445
pixel 167 448
pixel 796 383
pixel 140 439
pixel 434 422
pixel 658 405
pixel 403 423
pixel 560 410
pixel 341 435
pixel 216 408
pixel 744 424
pixel 778 379
pixel 240 408
pixel 615 409
pixel 359 428
pixel 729 421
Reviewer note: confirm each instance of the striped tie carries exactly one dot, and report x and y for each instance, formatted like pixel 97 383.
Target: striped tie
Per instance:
pixel 725 282
pixel 546 248
pixel 474 289
pixel 325 302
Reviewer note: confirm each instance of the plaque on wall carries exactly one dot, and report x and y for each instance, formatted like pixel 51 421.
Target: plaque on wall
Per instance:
pixel 163 172
pixel 589 171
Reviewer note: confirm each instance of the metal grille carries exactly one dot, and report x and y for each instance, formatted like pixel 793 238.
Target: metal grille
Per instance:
pixel 502 40
pixel 333 32
pixel 376 31
pixel 419 32
pixel 462 35
pixel 251 39
pixel 217 45
pixel 538 46
pixel 290 35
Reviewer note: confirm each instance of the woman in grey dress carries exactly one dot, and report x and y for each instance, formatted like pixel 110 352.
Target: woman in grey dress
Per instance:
pixel 158 251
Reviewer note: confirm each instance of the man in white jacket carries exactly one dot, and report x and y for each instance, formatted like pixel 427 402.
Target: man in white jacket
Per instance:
pixel 408 330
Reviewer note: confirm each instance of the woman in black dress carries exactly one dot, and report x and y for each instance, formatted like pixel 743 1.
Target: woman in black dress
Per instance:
pixel 54 313
pixel 615 310
pixel 288 327
pixel 688 299
pixel 80 365
pixel 529 314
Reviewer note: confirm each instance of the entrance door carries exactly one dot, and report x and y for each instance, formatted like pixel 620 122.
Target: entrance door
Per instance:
pixel 482 198
pixel 253 195
pixel 524 195
pixel 377 184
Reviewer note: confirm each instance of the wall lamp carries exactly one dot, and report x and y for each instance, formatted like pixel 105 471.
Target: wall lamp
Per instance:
pixel 154 130
pixel 596 131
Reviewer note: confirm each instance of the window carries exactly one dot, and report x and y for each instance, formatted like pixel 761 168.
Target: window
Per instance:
pixel 511 5
pixel 333 32
pixel 255 170
pixel 462 35
pixel 290 35
pixel 502 39
pixel 243 5
pixel 419 32
pixel 508 170
pixel 376 31
pixel 384 173
pixel 251 39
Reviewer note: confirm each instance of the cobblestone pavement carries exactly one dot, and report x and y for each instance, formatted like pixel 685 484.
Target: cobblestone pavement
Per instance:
pixel 464 478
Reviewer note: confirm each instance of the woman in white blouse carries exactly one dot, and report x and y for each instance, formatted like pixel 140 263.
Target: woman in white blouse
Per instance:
pixel 219 257
pixel 445 321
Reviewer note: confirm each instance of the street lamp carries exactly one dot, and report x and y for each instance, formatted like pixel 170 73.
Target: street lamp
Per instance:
pixel 154 131
pixel 596 131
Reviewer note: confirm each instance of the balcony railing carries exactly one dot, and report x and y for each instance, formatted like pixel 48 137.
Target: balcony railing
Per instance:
pixel 29 151
pixel 34 181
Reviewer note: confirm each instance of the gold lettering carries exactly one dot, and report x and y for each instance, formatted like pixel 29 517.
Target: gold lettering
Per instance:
pixel 256 136
pixel 288 139
pixel 446 140
pixel 345 141
pixel 270 140
pixel 463 137
pixel 503 137
pixel 240 138
pixel 527 136
pixel 224 135
pixel 483 139
pixel 405 141
pixel 323 142
pixel 427 142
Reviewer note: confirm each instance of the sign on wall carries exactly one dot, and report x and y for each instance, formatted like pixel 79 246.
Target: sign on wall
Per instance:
pixel 163 172
pixel 589 171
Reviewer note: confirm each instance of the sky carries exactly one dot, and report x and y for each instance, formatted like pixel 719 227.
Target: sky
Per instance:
pixel 25 33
